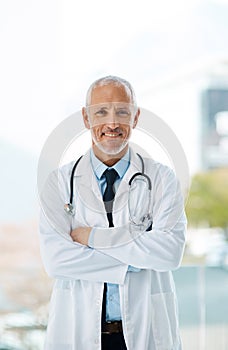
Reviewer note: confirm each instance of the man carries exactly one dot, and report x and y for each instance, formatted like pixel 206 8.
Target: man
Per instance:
pixel 114 286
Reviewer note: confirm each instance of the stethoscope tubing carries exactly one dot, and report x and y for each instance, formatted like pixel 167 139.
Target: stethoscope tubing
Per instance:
pixel 72 180
pixel 69 208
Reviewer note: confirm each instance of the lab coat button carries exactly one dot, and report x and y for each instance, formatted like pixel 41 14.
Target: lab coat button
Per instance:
pixel 96 341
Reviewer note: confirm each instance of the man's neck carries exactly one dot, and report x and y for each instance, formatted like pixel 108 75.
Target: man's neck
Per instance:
pixel 109 159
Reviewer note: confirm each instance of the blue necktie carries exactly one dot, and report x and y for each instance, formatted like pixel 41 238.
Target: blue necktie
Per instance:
pixel 108 197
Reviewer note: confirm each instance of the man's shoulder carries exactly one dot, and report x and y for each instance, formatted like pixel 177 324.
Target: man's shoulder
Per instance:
pixel 62 172
pixel 158 171
pixel 66 169
pixel 156 165
pixel 151 166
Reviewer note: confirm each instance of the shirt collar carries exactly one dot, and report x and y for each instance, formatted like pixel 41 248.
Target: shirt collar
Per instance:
pixel 121 166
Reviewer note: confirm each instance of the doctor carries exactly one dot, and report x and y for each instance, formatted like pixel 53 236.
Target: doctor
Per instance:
pixel 113 281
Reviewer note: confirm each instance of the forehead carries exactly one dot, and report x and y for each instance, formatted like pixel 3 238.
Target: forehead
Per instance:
pixel 110 93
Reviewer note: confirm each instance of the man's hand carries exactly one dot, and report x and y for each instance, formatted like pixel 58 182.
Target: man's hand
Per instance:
pixel 81 235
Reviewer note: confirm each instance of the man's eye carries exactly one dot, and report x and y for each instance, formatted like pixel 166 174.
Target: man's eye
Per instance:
pixel 123 112
pixel 101 112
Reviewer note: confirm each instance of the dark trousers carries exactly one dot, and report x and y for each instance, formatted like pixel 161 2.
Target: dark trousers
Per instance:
pixel 113 341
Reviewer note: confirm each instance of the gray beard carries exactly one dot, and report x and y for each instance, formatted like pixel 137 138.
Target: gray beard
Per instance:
pixel 114 151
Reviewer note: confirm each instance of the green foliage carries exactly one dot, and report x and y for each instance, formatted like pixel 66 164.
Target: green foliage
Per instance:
pixel 208 199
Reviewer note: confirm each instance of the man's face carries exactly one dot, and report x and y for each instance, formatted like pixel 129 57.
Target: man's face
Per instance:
pixel 110 117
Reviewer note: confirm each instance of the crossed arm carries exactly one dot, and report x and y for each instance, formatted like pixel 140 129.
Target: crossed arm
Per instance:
pixel 81 235
pixel 159 249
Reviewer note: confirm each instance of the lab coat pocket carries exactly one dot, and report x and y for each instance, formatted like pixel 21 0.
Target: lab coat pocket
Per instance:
pixel 164 320
pixel 59 331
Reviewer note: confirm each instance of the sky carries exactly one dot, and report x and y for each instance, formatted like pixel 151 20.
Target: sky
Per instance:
pixel 52 50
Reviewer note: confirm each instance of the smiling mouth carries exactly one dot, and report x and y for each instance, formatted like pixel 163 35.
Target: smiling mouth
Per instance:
pixel 110 134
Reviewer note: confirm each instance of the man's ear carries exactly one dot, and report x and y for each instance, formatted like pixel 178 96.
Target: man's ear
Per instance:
pixel 85 118
pixel 136 118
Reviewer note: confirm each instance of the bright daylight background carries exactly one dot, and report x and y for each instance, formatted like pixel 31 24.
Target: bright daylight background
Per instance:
pixel 175 54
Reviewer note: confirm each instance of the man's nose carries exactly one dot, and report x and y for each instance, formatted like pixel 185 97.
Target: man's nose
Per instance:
pixel 112 120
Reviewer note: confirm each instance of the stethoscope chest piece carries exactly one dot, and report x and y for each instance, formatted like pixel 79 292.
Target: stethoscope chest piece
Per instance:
pixel 69 209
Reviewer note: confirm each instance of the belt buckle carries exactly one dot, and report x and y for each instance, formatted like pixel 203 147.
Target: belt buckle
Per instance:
pixel 112 327
pixel 106 332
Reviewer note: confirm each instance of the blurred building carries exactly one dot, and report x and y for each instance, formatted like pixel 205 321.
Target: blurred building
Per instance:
pixel 194 102
pixel 214 148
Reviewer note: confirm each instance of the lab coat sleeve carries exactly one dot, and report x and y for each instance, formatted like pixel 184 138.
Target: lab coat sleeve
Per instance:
pixel 63 258
pixel 161 248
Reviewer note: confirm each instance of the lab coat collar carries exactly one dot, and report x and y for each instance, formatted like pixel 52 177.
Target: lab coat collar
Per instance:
pixel 88 187
pixel 85 168
pixel 88 179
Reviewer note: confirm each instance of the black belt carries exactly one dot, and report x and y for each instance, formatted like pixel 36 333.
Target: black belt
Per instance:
pixel 112 327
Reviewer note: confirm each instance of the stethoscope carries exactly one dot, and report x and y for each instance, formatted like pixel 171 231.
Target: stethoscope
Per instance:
pixel 69 207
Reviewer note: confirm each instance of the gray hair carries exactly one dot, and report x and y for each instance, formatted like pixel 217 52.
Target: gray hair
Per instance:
pixel 111 79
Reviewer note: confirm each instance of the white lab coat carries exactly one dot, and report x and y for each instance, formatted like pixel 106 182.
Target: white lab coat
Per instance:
pixel 147 298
